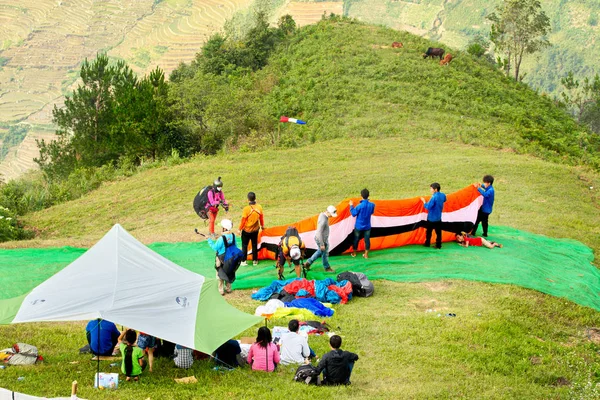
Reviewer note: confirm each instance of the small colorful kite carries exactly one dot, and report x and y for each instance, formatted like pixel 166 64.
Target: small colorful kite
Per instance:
pixel 292 120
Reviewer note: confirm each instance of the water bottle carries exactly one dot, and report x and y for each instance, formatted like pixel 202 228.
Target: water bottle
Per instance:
pixel 114 364
pixel 2 366
pixel 21 378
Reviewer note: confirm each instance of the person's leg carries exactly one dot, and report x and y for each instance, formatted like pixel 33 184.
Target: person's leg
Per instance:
pixel 484 223
pixel 315 255
pixel 477 221
pixel 280 264
pixel 355 242
pixel 245 240
pixel 438 234
pixel 350 368
pixel 367 237
pixel 227 287
pixel 220 284
pixel 212 216
pixel 298 270
pixel 151 356
pixel 325 256
pixel 428 230
pixel 254 240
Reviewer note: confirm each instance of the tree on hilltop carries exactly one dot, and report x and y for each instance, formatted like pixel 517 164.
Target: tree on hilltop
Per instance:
pixel 518 27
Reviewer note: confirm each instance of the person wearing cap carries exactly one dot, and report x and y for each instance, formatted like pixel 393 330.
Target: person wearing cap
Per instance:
pixel 216 197
pixel 291 250
pixel 322 239
pixel 219 246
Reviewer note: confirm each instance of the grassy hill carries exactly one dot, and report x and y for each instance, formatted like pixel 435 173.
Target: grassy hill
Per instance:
pixel 575 29
pixel 44 42
pixel 393 123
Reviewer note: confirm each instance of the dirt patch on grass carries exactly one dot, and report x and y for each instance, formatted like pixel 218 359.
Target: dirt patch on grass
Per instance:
pixel 427 304
pixel 593 334
pixel 438 286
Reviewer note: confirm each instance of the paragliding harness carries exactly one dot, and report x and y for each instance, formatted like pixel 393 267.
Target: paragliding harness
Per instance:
pixel 230 260
pixel 307 374
pixel 291 231
pixel 201 200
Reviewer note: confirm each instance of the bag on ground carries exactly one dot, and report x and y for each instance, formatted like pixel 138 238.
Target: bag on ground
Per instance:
pixel 307 374
pixel 361 286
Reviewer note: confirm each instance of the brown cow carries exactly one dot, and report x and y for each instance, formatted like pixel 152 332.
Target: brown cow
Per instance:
pixel 446 59
pixel 397 45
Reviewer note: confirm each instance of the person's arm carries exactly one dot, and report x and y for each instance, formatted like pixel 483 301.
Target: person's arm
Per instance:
pixel 276 358
pixel 354 210
pixel 250 355
pixel 320 228
pixel 244 219
pixel 484 193
pixel 430 204
pixel 262 220
pixel 122 335
pixel 323 363
pixel 305 349
pixel 223 201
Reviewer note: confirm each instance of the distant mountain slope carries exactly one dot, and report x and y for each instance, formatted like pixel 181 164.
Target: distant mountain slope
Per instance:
pixel 44 42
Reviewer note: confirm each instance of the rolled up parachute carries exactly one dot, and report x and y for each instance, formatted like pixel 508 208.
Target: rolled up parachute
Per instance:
pixel 395 223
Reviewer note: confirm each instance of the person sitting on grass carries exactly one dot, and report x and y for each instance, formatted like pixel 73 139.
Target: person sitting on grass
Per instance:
pixel 294 347
pixel 263 354
pixel 183 357
pixel 466 240
pixel 133 357
pixel 228 354
pixel 102 337
pixel 336 365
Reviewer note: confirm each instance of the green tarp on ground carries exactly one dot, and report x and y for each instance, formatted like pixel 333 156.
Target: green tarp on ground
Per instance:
pixel 560 267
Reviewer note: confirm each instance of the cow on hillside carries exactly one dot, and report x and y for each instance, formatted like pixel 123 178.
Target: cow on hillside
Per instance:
pixel 397 45
pixel 434 52
pixel 446 59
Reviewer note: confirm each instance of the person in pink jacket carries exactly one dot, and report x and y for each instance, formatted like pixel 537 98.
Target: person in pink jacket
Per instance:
pixel 215 198
pixel 263 355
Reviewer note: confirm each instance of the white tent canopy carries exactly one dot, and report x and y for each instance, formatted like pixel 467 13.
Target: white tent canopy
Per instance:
pixel 121 280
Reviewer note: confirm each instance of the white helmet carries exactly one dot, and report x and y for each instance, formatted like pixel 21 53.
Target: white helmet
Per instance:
pixel 227 224
pixel 295 253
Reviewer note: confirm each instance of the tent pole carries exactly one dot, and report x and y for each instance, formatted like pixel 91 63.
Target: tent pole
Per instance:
pixel 98 356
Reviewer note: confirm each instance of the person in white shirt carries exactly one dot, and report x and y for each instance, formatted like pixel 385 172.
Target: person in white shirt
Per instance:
pixel 294 347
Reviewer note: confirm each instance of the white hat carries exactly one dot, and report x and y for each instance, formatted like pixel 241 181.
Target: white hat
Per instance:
pixel 295 253
pixel 331 210
pixel 227 224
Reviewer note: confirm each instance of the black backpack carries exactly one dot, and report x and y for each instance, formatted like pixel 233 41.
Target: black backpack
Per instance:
pixel 307 374
pixel 200 202
pixel 361 286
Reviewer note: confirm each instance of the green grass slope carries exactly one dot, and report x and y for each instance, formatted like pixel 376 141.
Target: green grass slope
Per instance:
pixel 395 127
pixel 345 80
pixel 575 30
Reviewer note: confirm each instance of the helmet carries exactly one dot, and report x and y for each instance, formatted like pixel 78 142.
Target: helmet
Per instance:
pixel 218 184
pixel 227 224
pixel 295 253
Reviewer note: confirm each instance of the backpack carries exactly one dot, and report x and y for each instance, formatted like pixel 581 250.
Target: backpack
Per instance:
pixel 253 217
pixel 231 260
pixel 307 374
pixel 200 202
pixel 285 239
pixel 361 286
pixel 23 354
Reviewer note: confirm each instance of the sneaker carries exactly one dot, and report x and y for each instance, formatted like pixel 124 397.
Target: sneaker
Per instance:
pixel 329 270
pixel 243 264
pixel 426 245
pixel 255 263
pixel 353 254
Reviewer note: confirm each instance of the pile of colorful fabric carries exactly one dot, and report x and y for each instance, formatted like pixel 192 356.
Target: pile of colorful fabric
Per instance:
pixel 326 290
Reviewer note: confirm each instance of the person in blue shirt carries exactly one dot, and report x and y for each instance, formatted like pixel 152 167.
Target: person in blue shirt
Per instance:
pixel 102 336
pixel 434 208
pixel 487 191
pixel 362 226
pixel 220 247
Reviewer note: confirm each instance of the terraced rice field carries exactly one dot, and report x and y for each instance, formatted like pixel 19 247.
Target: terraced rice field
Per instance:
pixel 43 42
pixel 309 13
